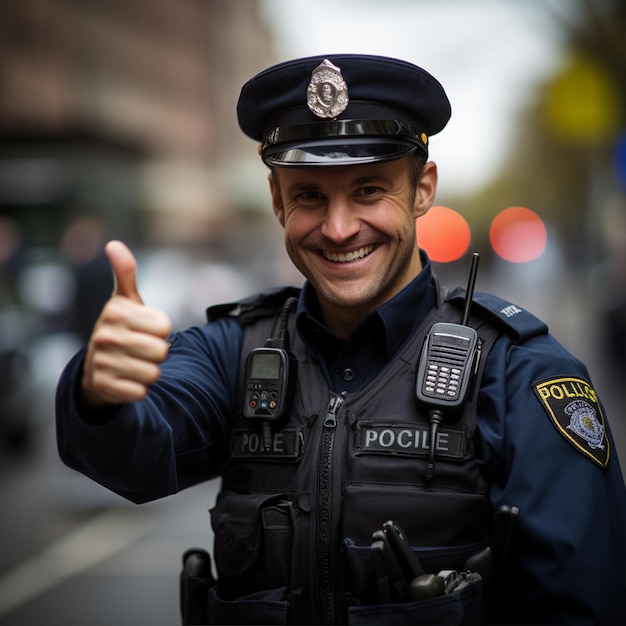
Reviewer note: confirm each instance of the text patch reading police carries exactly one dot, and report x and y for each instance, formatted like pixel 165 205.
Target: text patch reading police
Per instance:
pixel 408 440
pixel 573 406
pixel 285 445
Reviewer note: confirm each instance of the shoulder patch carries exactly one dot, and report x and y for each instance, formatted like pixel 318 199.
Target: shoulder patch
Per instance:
pixel 516 322
pixel 519 323
pixel 573 407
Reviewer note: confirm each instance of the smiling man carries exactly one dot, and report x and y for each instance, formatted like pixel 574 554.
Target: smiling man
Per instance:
pixel 380 462
pixel 351 231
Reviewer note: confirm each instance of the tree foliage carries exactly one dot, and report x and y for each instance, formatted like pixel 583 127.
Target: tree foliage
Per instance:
pixel 567 179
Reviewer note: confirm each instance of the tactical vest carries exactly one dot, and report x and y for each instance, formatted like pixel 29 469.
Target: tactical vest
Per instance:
pixel 294 519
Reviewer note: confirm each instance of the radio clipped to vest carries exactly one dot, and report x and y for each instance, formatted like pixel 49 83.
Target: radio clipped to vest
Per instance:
pixel 446 369
pixel 271 373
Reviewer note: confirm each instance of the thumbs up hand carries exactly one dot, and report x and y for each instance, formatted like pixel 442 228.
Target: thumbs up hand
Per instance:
pixel 128 342
pixel 124 268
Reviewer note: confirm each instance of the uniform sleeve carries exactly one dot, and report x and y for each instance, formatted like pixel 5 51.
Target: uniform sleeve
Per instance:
pixel 176 437
pixel 546 448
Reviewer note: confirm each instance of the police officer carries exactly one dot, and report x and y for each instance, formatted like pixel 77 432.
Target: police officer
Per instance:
pixel 311 404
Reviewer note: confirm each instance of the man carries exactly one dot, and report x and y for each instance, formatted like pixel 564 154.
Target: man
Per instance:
pixel 337 425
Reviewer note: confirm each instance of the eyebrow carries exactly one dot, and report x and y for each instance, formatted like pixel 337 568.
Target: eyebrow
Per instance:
pixel 299 187
pixel 366 179
pixel 372 178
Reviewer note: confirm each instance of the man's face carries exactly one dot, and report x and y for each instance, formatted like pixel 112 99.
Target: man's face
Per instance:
pixel 351 231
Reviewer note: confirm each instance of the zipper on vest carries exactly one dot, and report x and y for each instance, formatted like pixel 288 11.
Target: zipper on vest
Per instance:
pixel 331 412
pixel 325 513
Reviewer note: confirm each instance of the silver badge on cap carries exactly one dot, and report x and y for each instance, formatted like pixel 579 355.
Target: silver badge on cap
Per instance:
pixel 327 94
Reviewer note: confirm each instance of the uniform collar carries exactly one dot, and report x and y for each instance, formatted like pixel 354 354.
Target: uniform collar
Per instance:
pixel 390 324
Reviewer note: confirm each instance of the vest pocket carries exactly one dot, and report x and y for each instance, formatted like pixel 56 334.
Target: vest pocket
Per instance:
pixel 462 606
pixel 360 578
pixel 266 607
pixel 254 539
pixel 459 607
pixel 429 517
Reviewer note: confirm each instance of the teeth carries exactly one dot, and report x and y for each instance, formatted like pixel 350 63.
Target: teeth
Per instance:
pixel 340 257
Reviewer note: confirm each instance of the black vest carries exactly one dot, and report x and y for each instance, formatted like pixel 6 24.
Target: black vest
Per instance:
pixel 294 519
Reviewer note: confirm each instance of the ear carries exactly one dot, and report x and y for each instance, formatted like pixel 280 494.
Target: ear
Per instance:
pixel 277 200
pixel 426 189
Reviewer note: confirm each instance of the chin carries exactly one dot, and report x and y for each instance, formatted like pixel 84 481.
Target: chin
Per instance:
pixel 347 297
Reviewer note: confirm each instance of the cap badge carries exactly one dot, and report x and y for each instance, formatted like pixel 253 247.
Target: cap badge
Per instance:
pixel 327 94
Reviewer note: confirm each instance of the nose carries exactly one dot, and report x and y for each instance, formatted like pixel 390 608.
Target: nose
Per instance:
pixel 340 222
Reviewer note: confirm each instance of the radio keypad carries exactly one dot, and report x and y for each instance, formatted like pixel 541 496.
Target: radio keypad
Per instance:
pixel 442 381
pixel 262 398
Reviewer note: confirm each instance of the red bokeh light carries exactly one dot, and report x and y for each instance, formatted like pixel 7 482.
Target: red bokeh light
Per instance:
pixel 444 234
pixel 519 235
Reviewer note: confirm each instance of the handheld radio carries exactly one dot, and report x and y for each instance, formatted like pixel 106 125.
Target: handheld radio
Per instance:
pixel 269 383
pixel 271 373
pixel 447 365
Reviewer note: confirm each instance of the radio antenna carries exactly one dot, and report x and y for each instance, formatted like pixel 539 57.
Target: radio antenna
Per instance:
pixel 469 294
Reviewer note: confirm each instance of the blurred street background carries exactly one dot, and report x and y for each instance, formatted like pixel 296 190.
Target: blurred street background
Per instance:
pixel 117 120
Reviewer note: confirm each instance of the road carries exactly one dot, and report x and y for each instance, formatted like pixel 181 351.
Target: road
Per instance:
pixel 75 554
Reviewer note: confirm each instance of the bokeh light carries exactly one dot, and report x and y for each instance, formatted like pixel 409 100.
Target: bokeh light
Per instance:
pixel 518 234
pixel 583 104
pixel 444 234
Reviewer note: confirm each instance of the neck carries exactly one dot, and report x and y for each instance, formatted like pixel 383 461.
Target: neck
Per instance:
pixel 341 321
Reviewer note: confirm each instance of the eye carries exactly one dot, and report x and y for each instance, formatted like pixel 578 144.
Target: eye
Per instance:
pixel 310 195
pixel 369 190
pixel 309 198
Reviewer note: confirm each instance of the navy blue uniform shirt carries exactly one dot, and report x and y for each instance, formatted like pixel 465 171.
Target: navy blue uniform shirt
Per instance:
pixel 570 559
pixel 350 364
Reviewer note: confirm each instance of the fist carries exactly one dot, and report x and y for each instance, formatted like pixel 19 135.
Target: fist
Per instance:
pixel 129 340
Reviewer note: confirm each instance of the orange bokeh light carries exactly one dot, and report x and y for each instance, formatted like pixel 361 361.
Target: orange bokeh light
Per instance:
pixel 444 234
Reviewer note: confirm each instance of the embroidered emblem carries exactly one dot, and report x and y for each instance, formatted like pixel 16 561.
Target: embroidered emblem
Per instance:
pixel 327 94
pixel 585 423
pixel 573 406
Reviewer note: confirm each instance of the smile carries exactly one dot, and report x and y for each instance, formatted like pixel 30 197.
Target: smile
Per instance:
pixel 344 257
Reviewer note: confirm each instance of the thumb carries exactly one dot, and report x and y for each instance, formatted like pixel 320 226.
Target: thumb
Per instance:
pixel 124 268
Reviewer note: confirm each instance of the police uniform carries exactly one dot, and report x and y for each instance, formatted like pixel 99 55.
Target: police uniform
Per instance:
pixel 301 497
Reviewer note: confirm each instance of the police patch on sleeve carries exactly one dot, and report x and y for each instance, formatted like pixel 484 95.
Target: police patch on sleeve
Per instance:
pixel 573 406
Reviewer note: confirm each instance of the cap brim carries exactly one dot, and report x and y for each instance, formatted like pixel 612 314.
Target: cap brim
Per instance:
pixel 332 152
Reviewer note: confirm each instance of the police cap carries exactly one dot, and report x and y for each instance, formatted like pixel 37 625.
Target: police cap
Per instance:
pixel 341 109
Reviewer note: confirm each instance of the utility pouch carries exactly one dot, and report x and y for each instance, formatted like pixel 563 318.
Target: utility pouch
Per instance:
pixel 462 606
pixel 277 523
pixel 254 536
pixel 256 543
pixel 196 579
pixel 254 546
pixel 460 601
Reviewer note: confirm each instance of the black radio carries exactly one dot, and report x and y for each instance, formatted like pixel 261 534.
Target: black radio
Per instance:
pixel 271 375
pixel 447 366
pixel 270 383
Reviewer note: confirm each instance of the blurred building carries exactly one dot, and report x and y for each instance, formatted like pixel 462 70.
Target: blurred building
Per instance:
pixel 123 109
pixel 117 119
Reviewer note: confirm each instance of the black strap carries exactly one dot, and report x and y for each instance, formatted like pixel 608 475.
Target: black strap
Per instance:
pixel 249 310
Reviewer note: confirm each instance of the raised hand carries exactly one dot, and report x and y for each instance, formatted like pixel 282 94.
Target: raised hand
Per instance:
pixel 128 342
